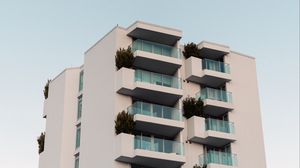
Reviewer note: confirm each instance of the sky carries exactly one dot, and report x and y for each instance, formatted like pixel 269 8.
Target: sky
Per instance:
pixel 39 38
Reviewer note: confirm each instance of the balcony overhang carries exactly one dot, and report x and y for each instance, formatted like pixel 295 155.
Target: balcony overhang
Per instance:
pixel 198 134
pixel 126 153
pixel 158 126
pixel 212 50
pixel 195 73
pixel 214 138
pixel 156 63
pixel 216 108
pixel 154 33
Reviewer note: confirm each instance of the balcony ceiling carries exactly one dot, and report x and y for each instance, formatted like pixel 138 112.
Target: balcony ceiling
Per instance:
pixel 154 36
pixel 212 54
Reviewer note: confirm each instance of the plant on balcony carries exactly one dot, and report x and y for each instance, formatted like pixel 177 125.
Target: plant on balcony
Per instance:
pixel 41 142
pixel 198 166
pixel 191 49
pixel 124 58
pixel 192 107
pixel 46 89
pixel 124 123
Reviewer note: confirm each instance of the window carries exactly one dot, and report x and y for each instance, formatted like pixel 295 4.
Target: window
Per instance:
pixel 78 131
pixel 81 81
pixel 77 161
pixel 79 108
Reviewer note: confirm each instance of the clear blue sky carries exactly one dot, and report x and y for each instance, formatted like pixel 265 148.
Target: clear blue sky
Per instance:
pixel 39 38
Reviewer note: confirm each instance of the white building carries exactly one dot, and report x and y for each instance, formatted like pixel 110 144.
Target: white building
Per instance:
pixel 83 103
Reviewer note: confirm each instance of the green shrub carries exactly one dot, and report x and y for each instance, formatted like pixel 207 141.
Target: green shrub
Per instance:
pixel 192 107
pixel 41 142
pixel 124 123
pixel 124 58
pixel 46 89
pixel 198 166
pixel 191 49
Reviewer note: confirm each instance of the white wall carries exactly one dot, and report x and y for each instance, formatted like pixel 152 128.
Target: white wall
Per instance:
pixel 61 117
pixel 246 115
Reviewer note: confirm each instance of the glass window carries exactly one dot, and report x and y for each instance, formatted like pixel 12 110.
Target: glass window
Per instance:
pixel 79 108
pixel 81 81
pixel 77 162
pixel 78 132
pixel 147 46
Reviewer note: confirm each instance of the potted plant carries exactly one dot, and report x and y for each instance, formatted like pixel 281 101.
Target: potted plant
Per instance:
pixel 41 142
pixel 198 166
pixel 191 49
pixel 46 89
pixel 124 123
pixel 124 58
pixel 192 107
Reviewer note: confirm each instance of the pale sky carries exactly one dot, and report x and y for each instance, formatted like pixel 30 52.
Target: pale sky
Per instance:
pixel 39 38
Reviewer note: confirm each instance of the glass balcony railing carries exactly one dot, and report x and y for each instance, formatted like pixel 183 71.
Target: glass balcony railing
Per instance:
pixel 216 157
pixel 157 79
pixel 215 94
pixel 156 48
pixel 158 145
pixel 155 110
pixel 219 125
pixel 215 66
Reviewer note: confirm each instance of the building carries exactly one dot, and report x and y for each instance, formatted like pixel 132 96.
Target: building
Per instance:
pixel 83 103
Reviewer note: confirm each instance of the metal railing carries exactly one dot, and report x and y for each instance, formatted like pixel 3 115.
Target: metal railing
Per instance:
pixel 157 79
pixel 215 66
pixel 216 157
pixel 156 48
pixel 158 145
pixel 155 110
pixel 215 94
pixel 219 125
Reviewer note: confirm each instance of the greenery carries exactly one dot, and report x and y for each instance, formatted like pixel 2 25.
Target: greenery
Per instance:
pixel 124 58
pixel 191 49
pixel 41 142
pixel 198 166
pixel 124 123
pixel 192 107
pixel 46 89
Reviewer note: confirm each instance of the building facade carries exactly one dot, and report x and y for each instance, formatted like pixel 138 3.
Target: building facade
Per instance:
pixel 83 103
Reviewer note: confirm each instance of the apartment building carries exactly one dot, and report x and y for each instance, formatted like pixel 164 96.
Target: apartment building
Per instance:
pixel 83 103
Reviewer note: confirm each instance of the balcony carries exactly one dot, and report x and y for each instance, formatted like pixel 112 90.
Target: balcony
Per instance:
pixel 149 151
pixel 216 102
pixel 156 119
pixel 208 72
pixel 156 57
pixel 149 86
pixel 213 51
pixel 155 33
pixel 210 131
pixel 216 159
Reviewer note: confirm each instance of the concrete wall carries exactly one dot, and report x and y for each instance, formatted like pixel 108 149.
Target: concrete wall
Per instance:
pixel 246 115
pixel 61 117
pixel 100 102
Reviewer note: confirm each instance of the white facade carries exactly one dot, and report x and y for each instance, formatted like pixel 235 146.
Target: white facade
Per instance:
pixel 174 141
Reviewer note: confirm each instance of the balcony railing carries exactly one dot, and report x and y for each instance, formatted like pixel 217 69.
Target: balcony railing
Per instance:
pixel 157 79
pixel 155 110
pixel 156 48
pixel 215 94
pixel 215 66
pixel 216 157
pixel 158 145
pixel 219 125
